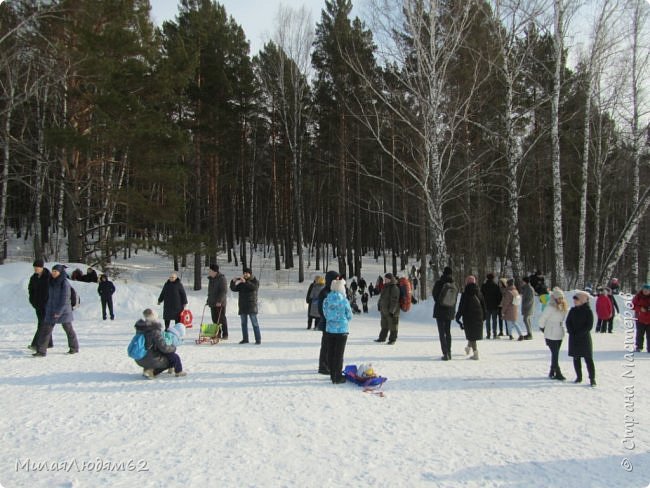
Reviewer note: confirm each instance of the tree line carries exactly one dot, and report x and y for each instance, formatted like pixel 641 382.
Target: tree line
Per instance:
pixel 449 132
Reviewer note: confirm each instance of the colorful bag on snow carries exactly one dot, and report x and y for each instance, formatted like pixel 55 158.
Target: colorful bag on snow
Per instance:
pixel 352 374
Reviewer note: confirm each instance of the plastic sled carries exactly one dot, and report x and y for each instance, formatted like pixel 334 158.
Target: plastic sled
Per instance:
pixel 372 382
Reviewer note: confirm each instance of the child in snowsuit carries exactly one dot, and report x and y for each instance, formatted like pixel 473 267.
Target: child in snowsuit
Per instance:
pixel 338 313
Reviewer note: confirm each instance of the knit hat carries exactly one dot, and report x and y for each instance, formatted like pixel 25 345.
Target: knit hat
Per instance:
pixel 149 314
pixel 214 267
pixel 470 279
pixel 38 263
pixel 646 286
pixel 583 296
pixel 389 276
pixel 59 267
pixel 557 293
pixel 447 271
pixel 247 270
pixel 330 276
pixel 338 285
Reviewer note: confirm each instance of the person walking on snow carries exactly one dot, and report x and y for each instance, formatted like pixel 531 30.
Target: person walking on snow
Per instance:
pixel 604 311
pixel 527 306
pixel 444 314
pixel 510 309
pixel 471 313
pixel 313 315
pixel 38 288
pixel 58 310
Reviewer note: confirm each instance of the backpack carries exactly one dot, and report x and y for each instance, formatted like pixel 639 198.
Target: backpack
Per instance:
pixel 75 301
pixel 405 292
pixel 136 348
pixel 448 295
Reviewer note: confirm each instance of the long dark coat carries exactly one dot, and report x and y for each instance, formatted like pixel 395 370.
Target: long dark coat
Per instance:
pixel 217 290
pixel 472 312
pixel 155 344
pixel 491 294
pixel 439 311
pixel 173 294
pixel 579 322
pixel 38 289
pixel 247 300
pixel 58 301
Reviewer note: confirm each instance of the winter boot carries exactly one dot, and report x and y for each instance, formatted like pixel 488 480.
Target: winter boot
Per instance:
pixel 148 373
pixel 392 337
pixel 475 355
pixel 551 373
pixel 467 350
pixel 382 335
pixel 181 373
pixel 558 375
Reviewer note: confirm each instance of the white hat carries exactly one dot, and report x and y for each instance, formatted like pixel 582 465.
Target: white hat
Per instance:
pixel 338 285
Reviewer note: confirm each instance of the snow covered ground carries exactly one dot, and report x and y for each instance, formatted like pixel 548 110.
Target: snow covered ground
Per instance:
pixel 260 416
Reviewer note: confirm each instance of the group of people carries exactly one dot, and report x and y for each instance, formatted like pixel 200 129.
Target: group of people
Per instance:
pixel 161 356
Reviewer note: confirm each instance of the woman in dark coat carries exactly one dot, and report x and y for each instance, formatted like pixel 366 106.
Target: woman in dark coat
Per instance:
pixel 58 310
pixel 444 314
pixel 471 313
pixel 160 356
pixel 173 294
pixel 579 322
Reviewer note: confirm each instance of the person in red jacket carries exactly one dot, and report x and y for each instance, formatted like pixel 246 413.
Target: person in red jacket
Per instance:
pixel 641 303
pixel 604 310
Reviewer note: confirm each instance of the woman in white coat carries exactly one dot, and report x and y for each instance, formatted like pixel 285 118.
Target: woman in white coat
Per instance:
pixel 551 323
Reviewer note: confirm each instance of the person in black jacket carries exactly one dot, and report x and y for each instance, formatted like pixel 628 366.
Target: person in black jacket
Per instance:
pixel 173 294
pixel 38 287
pixel 323 366
pixel 247 286
pixel 579 323
pixel 444 314
pixel 471 309
pixel 492 296
pixel 106 288
pixel 217 298
pixel 160 356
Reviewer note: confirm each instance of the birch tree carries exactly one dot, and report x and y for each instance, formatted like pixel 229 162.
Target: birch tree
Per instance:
pixel 600 49
pixel 294 37
pixel 421 40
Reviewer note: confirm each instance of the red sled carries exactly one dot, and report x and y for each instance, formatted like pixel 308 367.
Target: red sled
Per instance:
pixel 186 318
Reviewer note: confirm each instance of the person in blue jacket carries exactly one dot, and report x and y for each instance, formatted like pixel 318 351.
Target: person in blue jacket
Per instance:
pixel 338 314
pixel 58 310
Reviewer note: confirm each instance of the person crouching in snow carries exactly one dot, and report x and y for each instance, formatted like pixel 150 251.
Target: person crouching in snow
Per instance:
pixel 472 311
pixel 338 314
pixel 160 356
